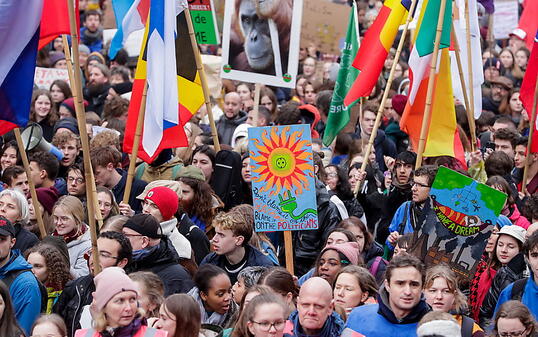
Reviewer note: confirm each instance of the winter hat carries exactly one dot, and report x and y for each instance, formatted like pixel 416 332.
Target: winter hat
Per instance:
pixel 166 200
pixel 171 184
pixel 349 249
pixel 97 56
pixel 55 57
pixel 69 104
pixel 514 231
pixel 240 131
pixel 47 197
pixel 68 123
pixel 398 103
pixel 502 221
pixel 82 48
pixel 6 227
pixel 493 62
pixel 122 88
pixel 144 224
pixel 110 282
pixel 443 328
pixel 192 172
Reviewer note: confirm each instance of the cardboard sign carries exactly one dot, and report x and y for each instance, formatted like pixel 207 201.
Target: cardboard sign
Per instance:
pixel 261 41
pixel 505 18
pixel 283 184
pixel 204 21
pixel 43 77
pixel 464 213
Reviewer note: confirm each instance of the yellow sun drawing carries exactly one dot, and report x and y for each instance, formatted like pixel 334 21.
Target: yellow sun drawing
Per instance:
pixel 282 161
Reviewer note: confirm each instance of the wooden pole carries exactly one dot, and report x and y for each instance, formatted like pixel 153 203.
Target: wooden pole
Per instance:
pixel 33 194
pixel 470 110
pixel 91 183
pixel 385 95
pixel 201 73
pixel 288 248
pixel 470 114
pixel 257 89
pixel 529 143
pixel 431 82
pixel 79 107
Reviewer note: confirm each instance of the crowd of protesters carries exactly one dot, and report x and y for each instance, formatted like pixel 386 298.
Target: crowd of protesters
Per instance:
pixel 181 257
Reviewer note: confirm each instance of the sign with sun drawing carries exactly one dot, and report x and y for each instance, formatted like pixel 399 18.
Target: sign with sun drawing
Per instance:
pixel 283 184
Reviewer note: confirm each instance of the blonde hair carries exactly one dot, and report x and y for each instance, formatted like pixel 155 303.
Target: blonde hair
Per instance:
pixel 100 322
pixel 442 270
pixel 73 206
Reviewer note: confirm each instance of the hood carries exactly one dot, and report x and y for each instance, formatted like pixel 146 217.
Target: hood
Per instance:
pixel 16 262
pixel 333 327
pixel 310 115
pixel 240 131
pixel 414 316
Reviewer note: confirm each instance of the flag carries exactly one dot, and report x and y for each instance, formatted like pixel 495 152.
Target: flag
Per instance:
pixel 174 91
pixel 55 21
pixel 131 15
pixel 338 112
pixel 526 93
pixel 476 55
pixel 375 47
pixel 19 33
pixel 528 21
pixel 443 138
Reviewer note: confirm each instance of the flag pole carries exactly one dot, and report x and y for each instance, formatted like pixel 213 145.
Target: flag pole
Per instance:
pixel 431 82
pixel 529 143
pixel 470 114
pixel 201 73
pixel 385 96
pixel 91 184
pixel 257 88
pixel 470 109
pixel 81 120
pixel 33 194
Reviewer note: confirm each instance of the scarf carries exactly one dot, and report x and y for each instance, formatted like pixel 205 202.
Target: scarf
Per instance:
pixel 73 235
pixel 213 318
pixel 125 331
pixel 91 37
pixel 142 253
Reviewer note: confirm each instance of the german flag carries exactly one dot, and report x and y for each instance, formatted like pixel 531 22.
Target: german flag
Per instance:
pixel 163 125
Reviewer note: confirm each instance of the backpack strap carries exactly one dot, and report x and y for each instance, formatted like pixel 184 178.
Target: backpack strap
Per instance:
pixel 12 276
pixel 401 227
pixel 467 325
pixel 517 289
pixel 375 265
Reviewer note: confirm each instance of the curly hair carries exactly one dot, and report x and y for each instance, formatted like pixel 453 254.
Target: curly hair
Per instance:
pixel 58 270
pixel 202 203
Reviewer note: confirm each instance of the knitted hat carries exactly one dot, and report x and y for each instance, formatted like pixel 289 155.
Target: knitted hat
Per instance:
pixel 69 104
pixel 514 231
pixel 68 123
pixel 493 62
pixel 110 282
pixel 444 328
pixel 82 48
pixel 55 57
pixel 398 103
pixel 348 249
pixel 97 56
pixel 144 224
pixel 502 221
pixel 47 197
pixel 166 200
pixel 6 227
pixel 192 172
pixel 122 88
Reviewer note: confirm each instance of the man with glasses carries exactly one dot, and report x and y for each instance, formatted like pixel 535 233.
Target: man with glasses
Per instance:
pixel 76 183
pixel 114 250
pixel 501 89
pixel 412 215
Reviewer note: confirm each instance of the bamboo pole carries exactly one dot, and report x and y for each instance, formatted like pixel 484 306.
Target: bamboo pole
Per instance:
pixel 81 120
pixel 205 88
pixel 470 74
pixel 288 247
pixel 429 96
pixel 384 97
pixel 529 143
pixel 91 183
pixel 33 194
pixel 470 114
pixel 257 88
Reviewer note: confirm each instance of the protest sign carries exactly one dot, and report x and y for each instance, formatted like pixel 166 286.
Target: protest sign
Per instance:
pixel 204 21
pixel 260 41
pixel 283 184
pixel 505 18
pixel 464 213
pixel 43 77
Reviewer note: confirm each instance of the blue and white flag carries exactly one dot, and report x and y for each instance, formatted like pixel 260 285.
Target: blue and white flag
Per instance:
pixel 131 15
pixel 19 33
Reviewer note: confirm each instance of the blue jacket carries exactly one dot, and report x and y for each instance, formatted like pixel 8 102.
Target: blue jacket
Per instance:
pixel 398 218
pixel 375 320
pixel 529 296
pixel 333 327
pixel 24 291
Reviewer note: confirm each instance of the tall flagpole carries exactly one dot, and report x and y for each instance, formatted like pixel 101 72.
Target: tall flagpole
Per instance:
pixel 431 81
pixel 529 142
pixel 470 74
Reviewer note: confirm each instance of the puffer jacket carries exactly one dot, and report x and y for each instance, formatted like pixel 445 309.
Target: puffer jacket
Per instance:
pixel 308 243
pixel 512 271
pixel 76 295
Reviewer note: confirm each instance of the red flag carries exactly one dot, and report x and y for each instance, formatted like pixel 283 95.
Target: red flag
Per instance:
pixel 526 93
pixel 528 21
pixel 55 21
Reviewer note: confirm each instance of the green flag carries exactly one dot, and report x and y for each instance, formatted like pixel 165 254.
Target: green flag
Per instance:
pixel 338 113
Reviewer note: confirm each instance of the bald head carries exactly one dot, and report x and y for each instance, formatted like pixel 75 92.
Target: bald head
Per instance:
pixel 232 104
pixel 318 286
pixel 314 305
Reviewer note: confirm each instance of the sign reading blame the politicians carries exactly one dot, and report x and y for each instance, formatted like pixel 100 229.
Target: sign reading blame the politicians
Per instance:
pixel 283 184
pixel 204 21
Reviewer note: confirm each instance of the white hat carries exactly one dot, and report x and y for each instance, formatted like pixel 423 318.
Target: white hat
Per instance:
pixel 519 33
pixel 444 328
pixel 514 231
pixel 240 131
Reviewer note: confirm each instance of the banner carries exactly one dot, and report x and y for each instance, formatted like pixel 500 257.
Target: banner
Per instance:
pixel 44 77
pixel 283 183
pixel 204 21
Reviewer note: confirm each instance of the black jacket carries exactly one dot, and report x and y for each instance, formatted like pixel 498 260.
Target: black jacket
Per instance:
pixel 396 196
pixel 308 243
pixel 76 295
pixel 197 238
pixel 25 239
pixel 163 261
pixel 512 271
pixel 226 126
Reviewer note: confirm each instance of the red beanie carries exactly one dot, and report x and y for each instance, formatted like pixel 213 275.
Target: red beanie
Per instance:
pixel 47 197
pixel 166 200
pixel 398 103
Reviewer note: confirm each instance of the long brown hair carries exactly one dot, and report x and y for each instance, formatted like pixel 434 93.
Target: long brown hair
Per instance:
pixel 187 314
pixel 57 268
pixel 53 115
pixel 202 203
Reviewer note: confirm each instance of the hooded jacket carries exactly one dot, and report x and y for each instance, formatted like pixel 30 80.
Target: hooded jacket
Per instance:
pixel 77 248
pixel 226 126
pixel 333 327
pixel 529 297
pixel 378 319
pixel 24 290
pixel 76 295
pixel 180 243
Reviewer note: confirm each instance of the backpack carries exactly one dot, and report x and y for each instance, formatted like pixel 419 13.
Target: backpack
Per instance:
pixel 12 276
pixel 517 289
pixel 226 178
pixel 467 325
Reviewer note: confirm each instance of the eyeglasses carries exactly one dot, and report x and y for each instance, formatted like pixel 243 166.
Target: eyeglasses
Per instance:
pixel 414 183
pixel 512 334
pixel 102 255
pixel 77 180
pixel 266 326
